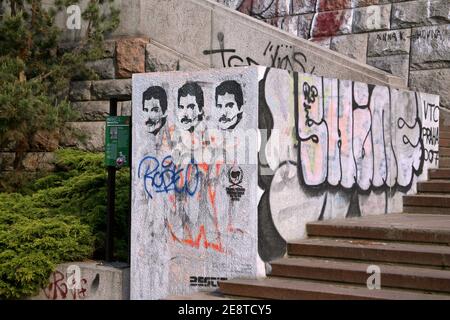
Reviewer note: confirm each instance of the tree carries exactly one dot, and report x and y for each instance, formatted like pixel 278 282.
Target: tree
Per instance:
pixel 35 76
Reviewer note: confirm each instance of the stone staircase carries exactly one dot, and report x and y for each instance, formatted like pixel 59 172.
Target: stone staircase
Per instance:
pixel 444 152
pixel 434 195
pixel 412 250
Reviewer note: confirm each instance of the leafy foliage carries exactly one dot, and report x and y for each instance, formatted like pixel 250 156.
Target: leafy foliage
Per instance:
pixel 61 218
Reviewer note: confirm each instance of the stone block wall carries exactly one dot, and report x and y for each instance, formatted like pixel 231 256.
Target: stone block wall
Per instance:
pixel 409 39
pixel 91 100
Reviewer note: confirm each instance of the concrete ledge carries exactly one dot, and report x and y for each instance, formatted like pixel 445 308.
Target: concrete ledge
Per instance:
pixel 97 282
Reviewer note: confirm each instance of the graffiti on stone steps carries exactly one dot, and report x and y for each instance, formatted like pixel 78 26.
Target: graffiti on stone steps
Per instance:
pixel 339 139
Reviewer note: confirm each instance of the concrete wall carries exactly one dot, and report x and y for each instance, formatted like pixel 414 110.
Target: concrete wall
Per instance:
pixel 328 149
pixel 96 282
pixel 337 149
pixel 194 199
pixel 409 39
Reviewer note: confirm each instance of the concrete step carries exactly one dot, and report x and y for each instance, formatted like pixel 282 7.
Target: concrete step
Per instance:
pixel 423 228
pixel 394 276
pixel 439 186
pixel 444 133
pixel 293 289
pixel 426 210
pixel 444 162
pixel 443 127
pixel 444 142
pixel 439 174
pixel 439 200
pixel 370 250
pixel 444 152
pixel 199 296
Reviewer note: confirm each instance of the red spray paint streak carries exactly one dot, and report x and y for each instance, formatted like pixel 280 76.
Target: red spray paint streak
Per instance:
pixel 327 22
pixel 201 238
pixel 195 241
pixel 330 22
pixel 331 5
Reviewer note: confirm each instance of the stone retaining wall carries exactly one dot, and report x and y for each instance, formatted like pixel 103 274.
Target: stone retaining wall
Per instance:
pixel 90 99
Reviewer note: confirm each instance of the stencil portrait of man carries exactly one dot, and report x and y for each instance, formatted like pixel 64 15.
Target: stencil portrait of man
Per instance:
pixel 229 102
pixel 154 103
pixel 190 106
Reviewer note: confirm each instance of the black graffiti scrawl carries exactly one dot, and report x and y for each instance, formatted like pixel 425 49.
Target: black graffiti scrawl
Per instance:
pixel 275 55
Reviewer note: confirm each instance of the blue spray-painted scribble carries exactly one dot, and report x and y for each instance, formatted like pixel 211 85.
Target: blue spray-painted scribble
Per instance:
pixel 166 176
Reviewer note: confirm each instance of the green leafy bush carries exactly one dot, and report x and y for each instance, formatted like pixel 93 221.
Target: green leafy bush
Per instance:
pixel 60 218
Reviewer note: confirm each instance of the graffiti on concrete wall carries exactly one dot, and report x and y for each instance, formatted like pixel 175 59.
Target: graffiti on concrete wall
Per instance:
pixel 337 149
pixel 194 210
pixel 58 288
pixel 244 158
pixel 205 281
pixel 275 55
pixel 429 106
pixel 359 151
pixel 169 175
pixel 165 176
